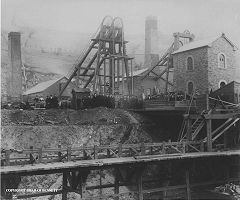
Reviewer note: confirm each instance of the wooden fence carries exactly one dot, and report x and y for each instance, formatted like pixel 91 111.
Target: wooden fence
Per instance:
pixel 34 156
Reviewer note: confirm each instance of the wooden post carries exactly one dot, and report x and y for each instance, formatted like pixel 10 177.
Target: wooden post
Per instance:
pixel 225 140
pixel 209 134
pixel 188 185
pixel 189 129
pixel 207 101
pixel 118 75
pixel 132 89
pixel 184 147
pixel 123 72
pixel 104 77
pixel 202 146
pixel 151 150
pixel 7 157
pixel 39 155
pixel 69 152
pixel 113 75
pixel 100 182
pixel 108 153
pixel 167 76
pixel 82 183
pixel 140 187
pixel 120 150
pixel 142 147
pixel 116 183
pixel 95 152
pixel 64 186
pixel 163 148
pixel 59 152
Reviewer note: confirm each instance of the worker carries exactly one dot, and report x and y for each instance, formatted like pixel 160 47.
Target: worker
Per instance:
pixel 36 100
pixel 55 101
pixel 47 100
pixel 51 101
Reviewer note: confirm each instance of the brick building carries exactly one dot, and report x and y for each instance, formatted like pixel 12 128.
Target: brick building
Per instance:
pixel 204 65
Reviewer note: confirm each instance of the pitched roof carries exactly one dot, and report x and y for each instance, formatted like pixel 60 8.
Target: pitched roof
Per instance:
pixel 202 43
pixel 196 44
pixel 42 86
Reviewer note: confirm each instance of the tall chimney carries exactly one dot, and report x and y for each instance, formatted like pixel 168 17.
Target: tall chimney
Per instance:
pixel 14 77
pixel 151 41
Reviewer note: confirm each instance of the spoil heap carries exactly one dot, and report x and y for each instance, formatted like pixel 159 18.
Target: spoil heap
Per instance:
pixel 49 128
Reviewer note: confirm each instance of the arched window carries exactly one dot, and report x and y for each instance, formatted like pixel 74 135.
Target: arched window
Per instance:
pixel 221 60
pixel 222 83
pixel 190 87
pixel 190 63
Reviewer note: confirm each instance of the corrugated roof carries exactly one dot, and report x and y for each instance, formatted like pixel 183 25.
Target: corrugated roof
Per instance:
pixel 196 44
pixel 42 86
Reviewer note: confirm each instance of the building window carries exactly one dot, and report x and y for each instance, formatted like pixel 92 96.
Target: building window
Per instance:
pixel 221 60
pixel 222 83
pixel 190 87
pixel 190 63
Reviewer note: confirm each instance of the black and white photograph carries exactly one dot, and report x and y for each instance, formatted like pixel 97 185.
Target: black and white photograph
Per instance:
pixel 120 100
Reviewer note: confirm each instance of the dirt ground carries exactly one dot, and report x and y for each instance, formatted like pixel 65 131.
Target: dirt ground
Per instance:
pixel 48 128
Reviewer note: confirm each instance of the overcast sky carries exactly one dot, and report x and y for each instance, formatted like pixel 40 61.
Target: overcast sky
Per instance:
pixel 202 17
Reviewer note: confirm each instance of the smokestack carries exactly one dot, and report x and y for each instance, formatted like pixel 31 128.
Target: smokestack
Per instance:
pixel 151 41
pixel 14 79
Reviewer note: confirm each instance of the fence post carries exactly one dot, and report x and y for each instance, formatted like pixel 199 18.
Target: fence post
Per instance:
pixel 95 152
pixel 59 152
pixel 69 152
pixel 32 159
pixel 142 148
pixel 163 148
pixel 184 147
pixel 202 146
pixel 40 155
pixel 120 150
pixel 7 157
pixel 84 152
pixel 151 150
pixel 108 153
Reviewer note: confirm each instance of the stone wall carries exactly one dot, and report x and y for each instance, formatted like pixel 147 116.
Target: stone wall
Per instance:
pixel 215 73
pixel 198 75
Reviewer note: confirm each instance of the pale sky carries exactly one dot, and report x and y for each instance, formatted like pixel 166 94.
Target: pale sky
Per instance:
pixel 203 17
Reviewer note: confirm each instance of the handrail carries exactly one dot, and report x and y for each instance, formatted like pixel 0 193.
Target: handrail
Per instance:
pixel 31 156
pixel 232 104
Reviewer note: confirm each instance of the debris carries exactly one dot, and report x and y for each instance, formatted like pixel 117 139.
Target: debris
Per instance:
pixel 51 122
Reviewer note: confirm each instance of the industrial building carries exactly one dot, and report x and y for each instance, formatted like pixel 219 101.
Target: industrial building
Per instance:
pixel 47 88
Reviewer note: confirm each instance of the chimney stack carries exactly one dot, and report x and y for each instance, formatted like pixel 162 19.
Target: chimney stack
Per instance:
pixel 151 41
pixel 14 77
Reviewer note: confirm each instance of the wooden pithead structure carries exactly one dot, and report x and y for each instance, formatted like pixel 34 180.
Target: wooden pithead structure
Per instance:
pixel 104 65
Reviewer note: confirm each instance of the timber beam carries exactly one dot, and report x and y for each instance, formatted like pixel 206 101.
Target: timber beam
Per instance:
pixel 214 116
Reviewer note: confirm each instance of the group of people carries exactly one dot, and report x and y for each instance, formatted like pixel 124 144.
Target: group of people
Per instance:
pixel 49 102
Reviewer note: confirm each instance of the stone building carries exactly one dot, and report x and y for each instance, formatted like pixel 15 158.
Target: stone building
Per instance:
pixel 145 85
pixel 204 65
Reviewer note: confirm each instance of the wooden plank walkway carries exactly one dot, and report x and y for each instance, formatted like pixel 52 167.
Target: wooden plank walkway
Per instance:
pixel 104 163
